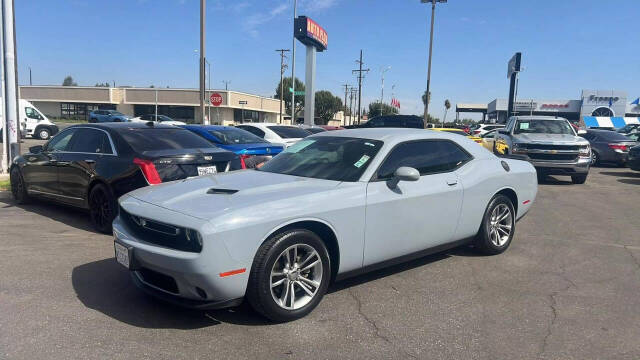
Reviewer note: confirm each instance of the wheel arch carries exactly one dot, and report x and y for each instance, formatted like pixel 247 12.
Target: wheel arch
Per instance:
pixel 46 126
pixel 92 184
pixel 511 194
pixel 323 229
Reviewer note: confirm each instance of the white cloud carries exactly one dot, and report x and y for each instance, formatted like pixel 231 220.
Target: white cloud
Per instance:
pixel 317 5
pixel 252 22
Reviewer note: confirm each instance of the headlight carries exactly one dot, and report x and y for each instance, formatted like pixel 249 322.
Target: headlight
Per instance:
pixel 518 149
pixel 194 236
pixel 585 151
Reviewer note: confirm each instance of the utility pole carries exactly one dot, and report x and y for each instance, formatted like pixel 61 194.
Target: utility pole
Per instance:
pixel 208 96
pixel 344 107
pixel 202 59
pixel 293 65
pixel 353 91
pixel 383 70
pixel 11 128
pixel 283 67
pixel 360 77
pixel 30 82
pixel 433 14
pixel 226 84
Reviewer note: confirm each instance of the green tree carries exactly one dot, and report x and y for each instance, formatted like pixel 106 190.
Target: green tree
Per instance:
pixel 105 84
pixel 379 109
pixel 424 98
pixel 327 105
pixel 68 81
pixel 287 95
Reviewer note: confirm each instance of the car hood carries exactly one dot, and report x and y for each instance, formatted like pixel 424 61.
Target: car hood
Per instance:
pixel 206 197
pixel 556 139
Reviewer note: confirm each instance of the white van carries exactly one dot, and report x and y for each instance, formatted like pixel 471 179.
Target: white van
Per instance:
pixel 32 122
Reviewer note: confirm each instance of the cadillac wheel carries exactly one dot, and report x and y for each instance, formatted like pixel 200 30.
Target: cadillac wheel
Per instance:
pixel 289 276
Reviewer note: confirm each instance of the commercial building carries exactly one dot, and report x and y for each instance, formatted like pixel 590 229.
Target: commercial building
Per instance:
pixel 180 104
pixel 597 108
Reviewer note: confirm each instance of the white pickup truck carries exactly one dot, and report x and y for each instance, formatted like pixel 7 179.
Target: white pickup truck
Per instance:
pixel 32 122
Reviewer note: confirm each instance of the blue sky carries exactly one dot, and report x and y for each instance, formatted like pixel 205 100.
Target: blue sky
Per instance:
pixel 567 45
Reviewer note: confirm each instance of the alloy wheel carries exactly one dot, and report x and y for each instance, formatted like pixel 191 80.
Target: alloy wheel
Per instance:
pixel 100 208
pixel 296 276
pixel 500 224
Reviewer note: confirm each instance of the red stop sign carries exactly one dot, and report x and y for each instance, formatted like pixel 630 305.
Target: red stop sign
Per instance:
pixel 216 99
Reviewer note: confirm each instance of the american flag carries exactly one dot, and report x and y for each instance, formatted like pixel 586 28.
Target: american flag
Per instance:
pixel 395 103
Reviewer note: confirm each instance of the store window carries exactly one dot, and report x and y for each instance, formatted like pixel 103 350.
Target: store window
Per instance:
pixel 247 115
pixel 81 110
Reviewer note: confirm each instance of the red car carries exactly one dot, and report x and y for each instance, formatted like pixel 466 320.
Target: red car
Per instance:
pixel 331 128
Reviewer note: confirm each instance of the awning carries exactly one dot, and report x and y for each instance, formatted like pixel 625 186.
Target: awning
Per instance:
pixel 615 122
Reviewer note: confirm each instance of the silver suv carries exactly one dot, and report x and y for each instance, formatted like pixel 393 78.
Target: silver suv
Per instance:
pixel 549 143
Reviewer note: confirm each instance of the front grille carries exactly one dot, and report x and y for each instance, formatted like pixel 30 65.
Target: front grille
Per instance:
pixel 558 157
pixel 166 235
pixel 161 281
pixel 533 146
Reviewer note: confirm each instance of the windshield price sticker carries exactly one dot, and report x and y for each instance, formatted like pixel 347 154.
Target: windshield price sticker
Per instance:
pixel 363 160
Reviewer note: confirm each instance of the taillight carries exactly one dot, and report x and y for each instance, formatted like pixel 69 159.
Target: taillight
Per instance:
pixel 242 158
pixel 148 170
pixel 618 147
pixel 476 132
pixel 479 141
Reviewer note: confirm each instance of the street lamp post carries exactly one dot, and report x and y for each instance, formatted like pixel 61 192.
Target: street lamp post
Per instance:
pixel 433 14
pixel 383 70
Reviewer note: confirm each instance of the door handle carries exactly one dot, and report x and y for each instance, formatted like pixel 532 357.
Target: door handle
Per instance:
pixel 452 182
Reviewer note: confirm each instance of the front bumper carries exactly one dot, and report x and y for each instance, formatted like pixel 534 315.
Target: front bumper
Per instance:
pixel 183 278
pixel 563 168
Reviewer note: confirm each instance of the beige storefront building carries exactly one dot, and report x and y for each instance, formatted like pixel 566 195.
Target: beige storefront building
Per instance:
pixel 181 104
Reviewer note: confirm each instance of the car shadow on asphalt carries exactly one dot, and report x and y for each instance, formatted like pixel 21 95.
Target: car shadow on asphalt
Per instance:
pixel 552 180
pixel 106 286
pixel 630 181
pixel 67 215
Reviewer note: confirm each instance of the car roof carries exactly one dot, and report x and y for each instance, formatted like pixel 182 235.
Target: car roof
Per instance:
pixel 267 125
pixel 209 127
pixel 126 125
pixel 538 117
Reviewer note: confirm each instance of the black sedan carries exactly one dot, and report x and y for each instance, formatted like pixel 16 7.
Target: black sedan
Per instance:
pixel 608 146
pixel 91 165
pixel 634 158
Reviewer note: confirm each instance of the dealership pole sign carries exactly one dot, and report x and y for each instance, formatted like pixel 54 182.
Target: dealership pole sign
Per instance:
pixel 512 73
pixel 315 38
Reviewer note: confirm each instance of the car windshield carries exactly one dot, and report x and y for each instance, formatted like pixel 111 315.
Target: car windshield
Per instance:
pixel 289 132
pixel 459 132
pixel 543 127
pixel 116 113
pixel 315 130
pixel 326 157
pixel 150 139
pixel 236 136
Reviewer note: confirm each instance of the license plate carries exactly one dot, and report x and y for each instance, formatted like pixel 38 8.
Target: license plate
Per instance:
pixel 122 254
pixel 207 170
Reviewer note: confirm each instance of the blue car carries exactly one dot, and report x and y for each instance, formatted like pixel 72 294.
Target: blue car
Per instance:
pixel 253 150
pixel 100 116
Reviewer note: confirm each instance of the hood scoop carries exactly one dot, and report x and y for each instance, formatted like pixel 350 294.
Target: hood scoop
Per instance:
pixel 215 191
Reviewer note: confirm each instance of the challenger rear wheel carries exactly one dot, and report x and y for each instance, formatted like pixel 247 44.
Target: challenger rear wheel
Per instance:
pixel 498 226
pixel 289 276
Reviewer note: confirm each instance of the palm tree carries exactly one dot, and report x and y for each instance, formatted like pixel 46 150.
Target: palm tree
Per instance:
pixel 447 106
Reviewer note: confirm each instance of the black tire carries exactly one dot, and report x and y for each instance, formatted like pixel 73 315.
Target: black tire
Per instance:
pixel 43 133
pixel 485 240
pixel 259 290
pixel 578 179
pixel 18 187
pixel 595 158
pixel 102 208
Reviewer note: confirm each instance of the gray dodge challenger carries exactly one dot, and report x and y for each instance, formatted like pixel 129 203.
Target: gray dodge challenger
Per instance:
pixel 333 205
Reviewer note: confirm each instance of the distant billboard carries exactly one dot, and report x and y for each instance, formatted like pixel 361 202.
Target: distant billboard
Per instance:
pixel 514 64
pixel 310 33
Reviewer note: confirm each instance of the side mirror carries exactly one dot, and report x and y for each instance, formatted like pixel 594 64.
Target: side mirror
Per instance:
pixel 504 132
pixel 403 173
pixel 35 149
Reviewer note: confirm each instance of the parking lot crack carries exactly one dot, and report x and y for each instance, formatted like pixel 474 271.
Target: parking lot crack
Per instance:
pixel 635 259
pixel 371 322
pixel 554 312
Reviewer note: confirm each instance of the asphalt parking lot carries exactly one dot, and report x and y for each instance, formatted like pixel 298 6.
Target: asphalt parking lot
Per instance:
pixel 568 288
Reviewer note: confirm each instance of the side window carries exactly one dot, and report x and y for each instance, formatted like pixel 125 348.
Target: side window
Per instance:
pixel 427 156
pixel 91 141
pixel 32 113
pixel 253 130
pixel 60 141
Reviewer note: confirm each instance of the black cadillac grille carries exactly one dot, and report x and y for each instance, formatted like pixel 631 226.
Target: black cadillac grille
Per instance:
pixel 155 232
pixel 560 157
pixel 161 281
pixel 549 147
